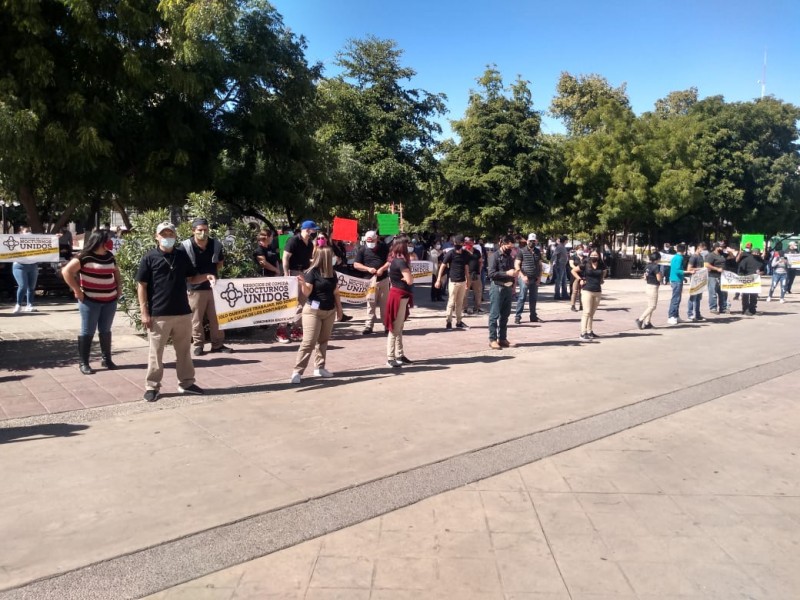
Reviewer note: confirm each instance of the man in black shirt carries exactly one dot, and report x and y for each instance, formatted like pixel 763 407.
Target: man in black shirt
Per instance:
pixel 266 255
pixel 696 261
pixel 296 259
pixel 474 282
pixel 715 263
pixel 457 261
pixel 372 259
pixel 163 274
pixel 502 273
pixel 529 264
pixel 207 256
pixel 749 264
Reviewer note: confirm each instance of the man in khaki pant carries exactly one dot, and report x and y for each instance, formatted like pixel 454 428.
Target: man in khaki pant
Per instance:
pixel 162 276
pixel 457 261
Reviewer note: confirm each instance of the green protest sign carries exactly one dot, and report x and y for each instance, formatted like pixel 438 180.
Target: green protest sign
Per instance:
pixel 757 239
pixel 282 239
pixel 388 224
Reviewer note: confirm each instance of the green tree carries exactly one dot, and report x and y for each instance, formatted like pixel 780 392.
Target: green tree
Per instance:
pixel 577 97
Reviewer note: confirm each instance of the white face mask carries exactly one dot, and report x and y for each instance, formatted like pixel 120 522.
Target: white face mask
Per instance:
pixel 371 245
pixel 438 246
pixel 167 242
pixel 411 248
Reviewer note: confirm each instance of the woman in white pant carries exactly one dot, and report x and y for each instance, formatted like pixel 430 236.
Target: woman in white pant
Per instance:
pixel 591 273
pixel 319 285
pixel 400 300
pixel 652 275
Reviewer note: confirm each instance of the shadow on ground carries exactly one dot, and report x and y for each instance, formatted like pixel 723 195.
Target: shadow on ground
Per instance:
pixel 39 432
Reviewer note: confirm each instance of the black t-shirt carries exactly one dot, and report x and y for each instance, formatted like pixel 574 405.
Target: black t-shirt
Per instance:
pixel 457 264
pixel 300 258
pixel 396 274
pixel 323 289
pixel 696 261
pixel 165 275
pixel 374 258
pixel 650 272
pixel 270 255
pixel 204 264
pixel 474 261
pixel 715 260
pixel 593 277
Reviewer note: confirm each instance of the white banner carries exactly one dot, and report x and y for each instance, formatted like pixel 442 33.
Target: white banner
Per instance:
pixel 29 248
pixel 546 268
pixel 665 260
pixel 699 282
pixel 744 284
pixel 355 290
pixel 117 241
pixel 255 301
pixel 794 260
pixel 421 269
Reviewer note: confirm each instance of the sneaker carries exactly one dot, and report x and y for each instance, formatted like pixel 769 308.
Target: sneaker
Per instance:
pixel 296 378
pixel 151 395
pixel 672 321
pixel 505 344
pixel 783 301
pixel 296 335
pixel 699 320
pixel 30 308
pixel 224 349
pixel 448 325
pixel 469 311
pixel 17 308
pixel 713 310
pixel 346 318
pixel 573 308
pixel 462 325
pixel 495 345
pixel 395 364
pixel 191 389
pixel 198 351
pixel 769 298
pixel 517 321
pixel 649 326
pixel 405 360
pixel 593 335
pixel 281 335
pixel 479 311
pixel 537 320
pixel 322 372
pixel 367 331
pixel 639 324
pixel 585 337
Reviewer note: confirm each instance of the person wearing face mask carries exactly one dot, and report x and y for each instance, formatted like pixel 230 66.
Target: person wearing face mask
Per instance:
pixel 502 274
pixel 792 272
pixel 436 258
pixel 529 264
pixel 372 260
pixel 560 260
pixel 320 242
pixel 208 257
pixel 266 255
pixel 575 260
pixel 94 278
pixel 162 277
pixel 750 263
pixel 296 260
pixel 676 274
pixel 591 274
pixel 457 264
pixel 714 261
pixel 474 282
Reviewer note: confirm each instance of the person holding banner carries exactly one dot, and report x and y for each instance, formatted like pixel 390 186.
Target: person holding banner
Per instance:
pixel 399 302
pixel 790 275
pixel 652 277
pixel 296 260
pixel 749 264
pixel 715 263
pixel 94 278
pixel 320 286
pixel 372 259
pixel 696 262
pixel 26 276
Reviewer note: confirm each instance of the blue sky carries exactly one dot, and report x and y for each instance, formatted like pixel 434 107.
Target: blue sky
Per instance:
pixel 655 47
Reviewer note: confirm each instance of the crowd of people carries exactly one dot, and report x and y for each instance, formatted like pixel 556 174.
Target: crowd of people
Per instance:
pixel 175 288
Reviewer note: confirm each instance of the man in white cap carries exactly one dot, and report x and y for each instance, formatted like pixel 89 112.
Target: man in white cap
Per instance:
pixel 372 259
pixel 529 264
pixel 163 275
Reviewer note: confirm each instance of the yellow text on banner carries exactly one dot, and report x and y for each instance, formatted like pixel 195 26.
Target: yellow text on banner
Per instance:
pixel 699 282
pixel 29 248
pixel 744 284
pixel 422 269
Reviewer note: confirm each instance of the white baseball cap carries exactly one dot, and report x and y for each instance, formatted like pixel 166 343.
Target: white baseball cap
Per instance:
pixel 532 237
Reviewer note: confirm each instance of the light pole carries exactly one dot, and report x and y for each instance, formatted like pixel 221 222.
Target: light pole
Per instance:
pixel 3 204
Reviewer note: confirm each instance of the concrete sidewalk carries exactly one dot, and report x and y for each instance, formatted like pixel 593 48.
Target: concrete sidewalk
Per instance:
pixel 153 496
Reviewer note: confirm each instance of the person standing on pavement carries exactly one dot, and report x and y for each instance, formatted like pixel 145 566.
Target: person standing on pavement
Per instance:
pixel 591 274
pixel 266 255
pixel 399 302
pixel 436 254
pixel 780 266
pixel 296 261
pixel 559 261
pixel 666 251
pixel 457 264
pixel 749 264
pixel 372 259
pixel 474 283
pixel 321 288
pixel 26 276
pixel 790 274
pixel 652 277
pixel 696 262
pixel 207 257
pixel 94 278
pixel 575 260
pixel 715 263
pixel 162 277
pixel 502 274
pixel 676 274
pixel 528 263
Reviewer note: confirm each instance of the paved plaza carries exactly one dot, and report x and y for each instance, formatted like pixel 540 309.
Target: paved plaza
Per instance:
pixel 658 464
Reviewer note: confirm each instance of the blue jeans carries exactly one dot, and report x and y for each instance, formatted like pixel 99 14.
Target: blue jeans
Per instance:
pixel 694 306
pixel 675 301
pixel 717 299
pixel 96 316
pixel 560 281
pixel 499 310
pixel 778 278
pixel 664 273
pixel 526 292
pixel 26 276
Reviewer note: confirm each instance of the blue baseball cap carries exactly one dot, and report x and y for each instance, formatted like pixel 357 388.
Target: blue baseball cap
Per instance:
pixel 309 225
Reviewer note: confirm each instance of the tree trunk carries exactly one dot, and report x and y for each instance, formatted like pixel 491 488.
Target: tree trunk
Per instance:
pixel 28 200
pixel 117 204
pixel 65 216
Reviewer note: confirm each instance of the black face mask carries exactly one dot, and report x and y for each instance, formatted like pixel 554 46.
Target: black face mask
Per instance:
pixel 457 247
pixel 312 235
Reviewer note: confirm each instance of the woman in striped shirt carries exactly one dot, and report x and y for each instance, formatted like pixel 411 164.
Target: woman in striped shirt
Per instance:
pixel 94 278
